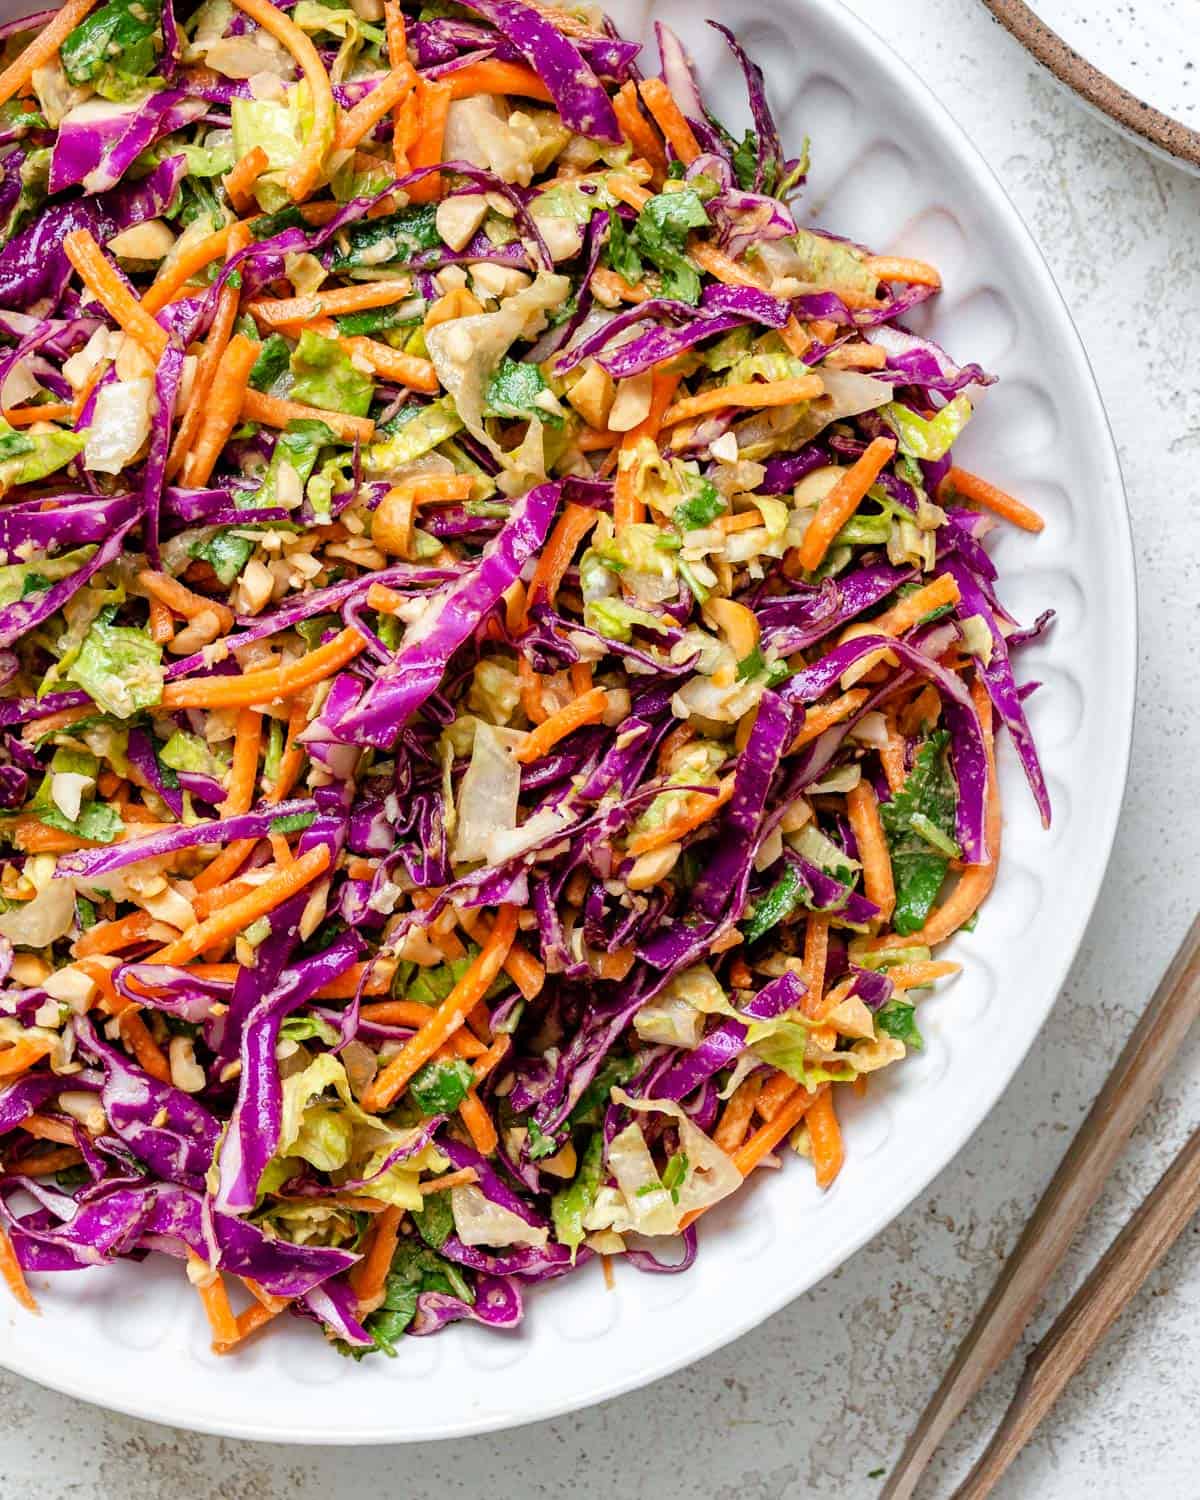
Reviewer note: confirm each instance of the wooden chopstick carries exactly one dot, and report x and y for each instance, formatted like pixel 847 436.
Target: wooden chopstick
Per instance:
pixel 1158 1223
pixel 1064 1206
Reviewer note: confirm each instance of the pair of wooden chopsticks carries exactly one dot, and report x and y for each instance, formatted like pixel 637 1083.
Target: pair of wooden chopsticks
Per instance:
pixel 1065 1204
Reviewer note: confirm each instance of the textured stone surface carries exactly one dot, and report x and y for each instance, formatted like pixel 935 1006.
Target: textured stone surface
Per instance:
pixel 809 1405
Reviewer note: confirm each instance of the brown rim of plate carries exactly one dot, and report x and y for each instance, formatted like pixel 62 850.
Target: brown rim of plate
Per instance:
pixel 1097 88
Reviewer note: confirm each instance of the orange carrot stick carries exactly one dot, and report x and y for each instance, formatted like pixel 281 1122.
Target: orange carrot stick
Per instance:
pixel 268 685
pixel 636 128
pixel 767 1137
pixel 700 808
pixel 751 393
pixel 912 976
pixel 239 914
pixel 10 1266
pixel 891 755
pixel 901 268
pixel 408 369
pixel 223 407
pixel 22 1055
pixel 274 411
pixel 369 1277
pixel 569 530
pixel 97 274
pixel 816 951
pixel 669 119
pixel 367 113
pixel 216 1306
pixel 448 1017
pixel 862 808
pixel 111 937
pixel 426 150
pixel 826 1137
pixel 586 710
pixel 397 45
pixel 43 47
pixel 913 607
pixel 496 78
pixel 291 762
pixel 480 1126
pixel 842 501
pixel 980 492
pixel 247 742
pixel 282 312
pixel 739 1111
pixel 525 971
pixel 239 182
pixel 825 716
pixel 248 1321
pixel 175 276
pixel 143 1046
pixel 50 411
pixel 182 600
pixel 303 174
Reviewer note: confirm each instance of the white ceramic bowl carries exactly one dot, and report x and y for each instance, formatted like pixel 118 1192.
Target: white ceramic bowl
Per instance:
pixel 889 168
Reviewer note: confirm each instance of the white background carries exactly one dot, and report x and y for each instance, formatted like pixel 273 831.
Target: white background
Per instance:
pixel 811 1403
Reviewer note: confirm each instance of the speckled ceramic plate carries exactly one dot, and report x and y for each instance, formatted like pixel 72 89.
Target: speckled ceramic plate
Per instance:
pixel 889 168
pixel 1133 61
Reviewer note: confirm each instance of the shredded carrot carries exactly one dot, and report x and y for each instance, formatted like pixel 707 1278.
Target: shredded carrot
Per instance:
pixel 274 411
pixel 247 742
pixel 21 1055
pixel 291 762
pixel 737 1114
pixel 748 394
pixel 10 1266
pixel 700 808
pixel 282 312
pixel 43 1128
pixel 407 369
pixel 369 1277
pixel 222 409
pixel 44 46
pixel 143 1046
pixel 525 971
pixel 555 557
pixel 51 411
pixel 248 1321
pixel 367 113
pixel 492 77
pixel 818 720
pixel 913 607
pixel 891 755
pixel 225 865
pixel 447 1181
pixel 268 685
pixel 345 986
pixel 531 691
pixel 396 1013
pixel 627 505
pixel 976 880
pixel 656 96
pixel 239 182
pixel 826 1137
pixel 862 808
pixel 900 268
pixel 614 965
pixel 176 274
pixel 305 172
pixel 816 952
pixel 636 128
pixel 913 976
pixel 606 283
pixel 992 498
pixel 405 109
pixel 480 1126
pixel 179 598
pixel 111 937
pixel 768 1136
pixel 448 1016
pixel 580 677
pixel 426 150
pixel 216 1306
pixel 238 915
pixel 109 289
pixel 842 501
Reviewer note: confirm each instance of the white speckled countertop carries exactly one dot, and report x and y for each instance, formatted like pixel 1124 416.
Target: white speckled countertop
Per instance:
pixel 811 1404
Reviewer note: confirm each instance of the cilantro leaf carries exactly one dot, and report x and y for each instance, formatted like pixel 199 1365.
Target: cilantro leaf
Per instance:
pixel 705 504
pixel 518 389
pixel 661 234
pixel 271 363
pixel 776 906
pixel 929 795
pixel 100 824
pixel 622 253
pixel 440 1087
pixel 899 1020
pixel 398 237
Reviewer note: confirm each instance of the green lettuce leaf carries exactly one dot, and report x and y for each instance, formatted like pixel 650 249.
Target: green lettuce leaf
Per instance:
pixel 928 438
pixel 121 668
pixel 119 38
pixel 323 375
pixel 571 1204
